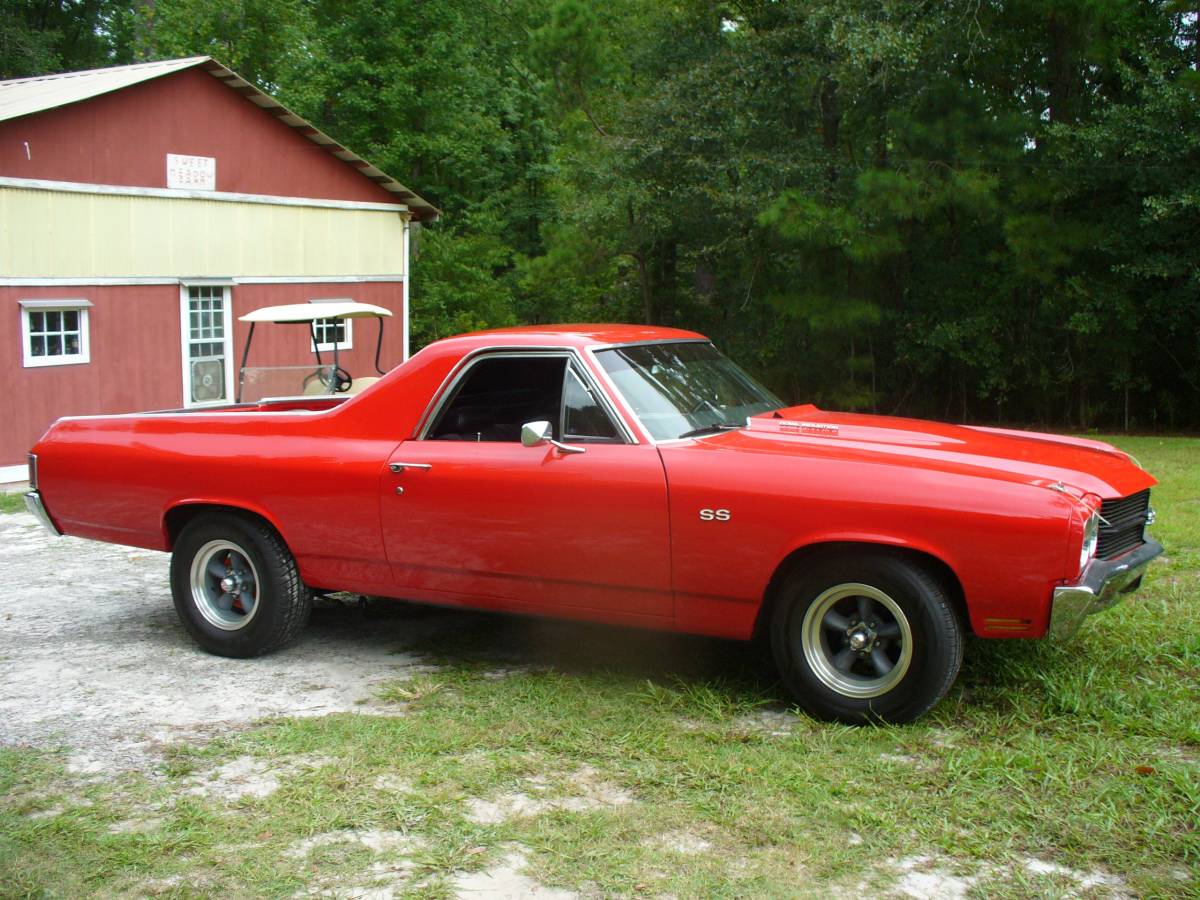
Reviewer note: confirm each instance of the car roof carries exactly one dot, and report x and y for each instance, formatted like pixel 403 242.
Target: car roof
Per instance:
pixel 578 335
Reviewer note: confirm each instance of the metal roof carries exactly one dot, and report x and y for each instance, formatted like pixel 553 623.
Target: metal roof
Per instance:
pixel 25 96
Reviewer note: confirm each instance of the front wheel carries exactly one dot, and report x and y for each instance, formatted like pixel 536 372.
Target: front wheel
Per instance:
pixel 236 586
pixel 873 638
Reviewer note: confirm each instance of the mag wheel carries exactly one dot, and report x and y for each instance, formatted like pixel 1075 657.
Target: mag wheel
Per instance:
pixel 866 639
pixel 236 586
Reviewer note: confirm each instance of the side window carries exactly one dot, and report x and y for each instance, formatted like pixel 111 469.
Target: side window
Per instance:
pixel 54 332
pixel 331 332
pixel 500 394
pixel 584 419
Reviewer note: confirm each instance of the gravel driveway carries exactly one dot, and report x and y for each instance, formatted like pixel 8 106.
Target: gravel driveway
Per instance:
pixel 92 657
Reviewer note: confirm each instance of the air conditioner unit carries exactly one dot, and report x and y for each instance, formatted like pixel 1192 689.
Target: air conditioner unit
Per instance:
pixel 208 380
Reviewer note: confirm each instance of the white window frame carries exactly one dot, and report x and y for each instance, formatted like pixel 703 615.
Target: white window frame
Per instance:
pixel 347 343
pixel 185 335
pixel 78 305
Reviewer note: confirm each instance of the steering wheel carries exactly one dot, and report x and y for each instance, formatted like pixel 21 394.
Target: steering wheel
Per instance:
pixel 341 379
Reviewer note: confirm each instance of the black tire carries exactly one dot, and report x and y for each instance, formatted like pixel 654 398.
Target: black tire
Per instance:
pixel 823 664
pixel 269 605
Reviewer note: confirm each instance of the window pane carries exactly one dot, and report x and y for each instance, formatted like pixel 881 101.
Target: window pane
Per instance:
pixel 583 417
pixel 330 331
pixel 71 320
pixel 37 345
pixel 54 345
pixel 37 322
pixel 72 341
pixel 53 321
pixel 678 387
pixel 499 395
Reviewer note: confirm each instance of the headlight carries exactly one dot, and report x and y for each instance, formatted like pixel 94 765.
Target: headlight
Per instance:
pixel 1091 537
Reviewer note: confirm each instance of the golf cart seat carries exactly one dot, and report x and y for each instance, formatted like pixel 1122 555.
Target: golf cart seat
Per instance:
pixel 360 384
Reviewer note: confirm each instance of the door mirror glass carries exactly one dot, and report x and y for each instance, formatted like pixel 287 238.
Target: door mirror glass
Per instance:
pixel 534 433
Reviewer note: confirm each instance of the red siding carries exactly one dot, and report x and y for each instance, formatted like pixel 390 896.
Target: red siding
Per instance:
pixel 136 354
pixel 123 138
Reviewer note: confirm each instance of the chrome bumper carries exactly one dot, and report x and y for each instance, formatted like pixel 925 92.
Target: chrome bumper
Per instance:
pixel 1102 584
pixel 33 503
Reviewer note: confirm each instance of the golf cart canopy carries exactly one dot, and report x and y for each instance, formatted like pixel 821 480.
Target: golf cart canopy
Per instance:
pixel 311 312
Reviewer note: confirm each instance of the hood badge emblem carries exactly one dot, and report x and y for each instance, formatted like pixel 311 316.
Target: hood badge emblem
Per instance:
pixel 809 428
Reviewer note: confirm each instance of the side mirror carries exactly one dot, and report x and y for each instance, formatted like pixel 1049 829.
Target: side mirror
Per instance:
pixel 534 434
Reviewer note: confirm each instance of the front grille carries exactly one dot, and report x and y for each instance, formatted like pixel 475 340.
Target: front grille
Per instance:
pixel 1126 519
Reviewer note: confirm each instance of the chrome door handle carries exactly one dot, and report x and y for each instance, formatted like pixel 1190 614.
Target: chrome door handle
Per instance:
pixel 400 467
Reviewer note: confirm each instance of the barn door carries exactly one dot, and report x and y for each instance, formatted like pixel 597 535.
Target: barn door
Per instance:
pixel 207 351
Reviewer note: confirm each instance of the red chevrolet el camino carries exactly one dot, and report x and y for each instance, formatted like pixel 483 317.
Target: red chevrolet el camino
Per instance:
pixel 618 474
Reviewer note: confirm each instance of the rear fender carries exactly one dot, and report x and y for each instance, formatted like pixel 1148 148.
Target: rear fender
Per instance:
pixel 176 517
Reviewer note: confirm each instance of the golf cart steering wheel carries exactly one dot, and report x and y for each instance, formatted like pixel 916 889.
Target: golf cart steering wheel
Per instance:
pixel 341 379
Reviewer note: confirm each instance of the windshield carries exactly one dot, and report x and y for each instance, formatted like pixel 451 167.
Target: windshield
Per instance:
pixel 684 388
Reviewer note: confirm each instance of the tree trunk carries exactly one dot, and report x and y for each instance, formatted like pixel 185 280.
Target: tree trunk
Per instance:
pixel 143 35
pixel 666 280
pixel 831 119
pixel 1061 75
pixel 647 293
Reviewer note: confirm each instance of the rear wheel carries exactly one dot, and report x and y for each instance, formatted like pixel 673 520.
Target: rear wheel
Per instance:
pixel 236 586
pixel 873 638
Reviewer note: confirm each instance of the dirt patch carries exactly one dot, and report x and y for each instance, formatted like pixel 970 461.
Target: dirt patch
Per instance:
pixel 683 841
pixel 391 784
pixel 1083 881
pixel 939 878
pixel 248 776
pixel 375 840
pixel 578 791
pixel 387 876
pixel 136 826
pixel 93 626
pixel 505 881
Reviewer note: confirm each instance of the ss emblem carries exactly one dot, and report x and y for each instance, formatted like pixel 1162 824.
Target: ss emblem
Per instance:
pixel 714 515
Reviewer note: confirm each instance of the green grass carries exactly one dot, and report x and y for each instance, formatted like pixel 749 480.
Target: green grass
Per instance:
pixel 630 746
pixel 12 502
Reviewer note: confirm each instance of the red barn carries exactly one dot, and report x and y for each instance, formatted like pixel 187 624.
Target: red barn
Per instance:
pixel 144 208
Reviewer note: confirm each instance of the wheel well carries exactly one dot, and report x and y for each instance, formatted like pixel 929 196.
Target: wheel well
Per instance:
pixel 179 517
pixel 808 555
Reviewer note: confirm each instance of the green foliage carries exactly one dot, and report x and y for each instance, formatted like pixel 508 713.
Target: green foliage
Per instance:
pixel 985 211
pixel 41 36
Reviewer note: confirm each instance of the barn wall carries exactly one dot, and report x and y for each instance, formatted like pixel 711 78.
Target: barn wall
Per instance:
pixel 136 350
pixel 52 234
pixel 135 361
pixel 124 137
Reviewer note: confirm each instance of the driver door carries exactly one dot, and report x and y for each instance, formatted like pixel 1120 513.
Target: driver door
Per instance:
pixel 472 515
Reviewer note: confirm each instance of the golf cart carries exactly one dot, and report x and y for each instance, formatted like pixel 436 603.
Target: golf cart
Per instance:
pixel 259 382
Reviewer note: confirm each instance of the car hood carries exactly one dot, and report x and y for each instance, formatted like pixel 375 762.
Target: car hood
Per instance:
pixel 1081 466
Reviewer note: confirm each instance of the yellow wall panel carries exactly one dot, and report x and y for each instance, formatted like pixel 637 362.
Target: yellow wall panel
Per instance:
pixel 52 234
